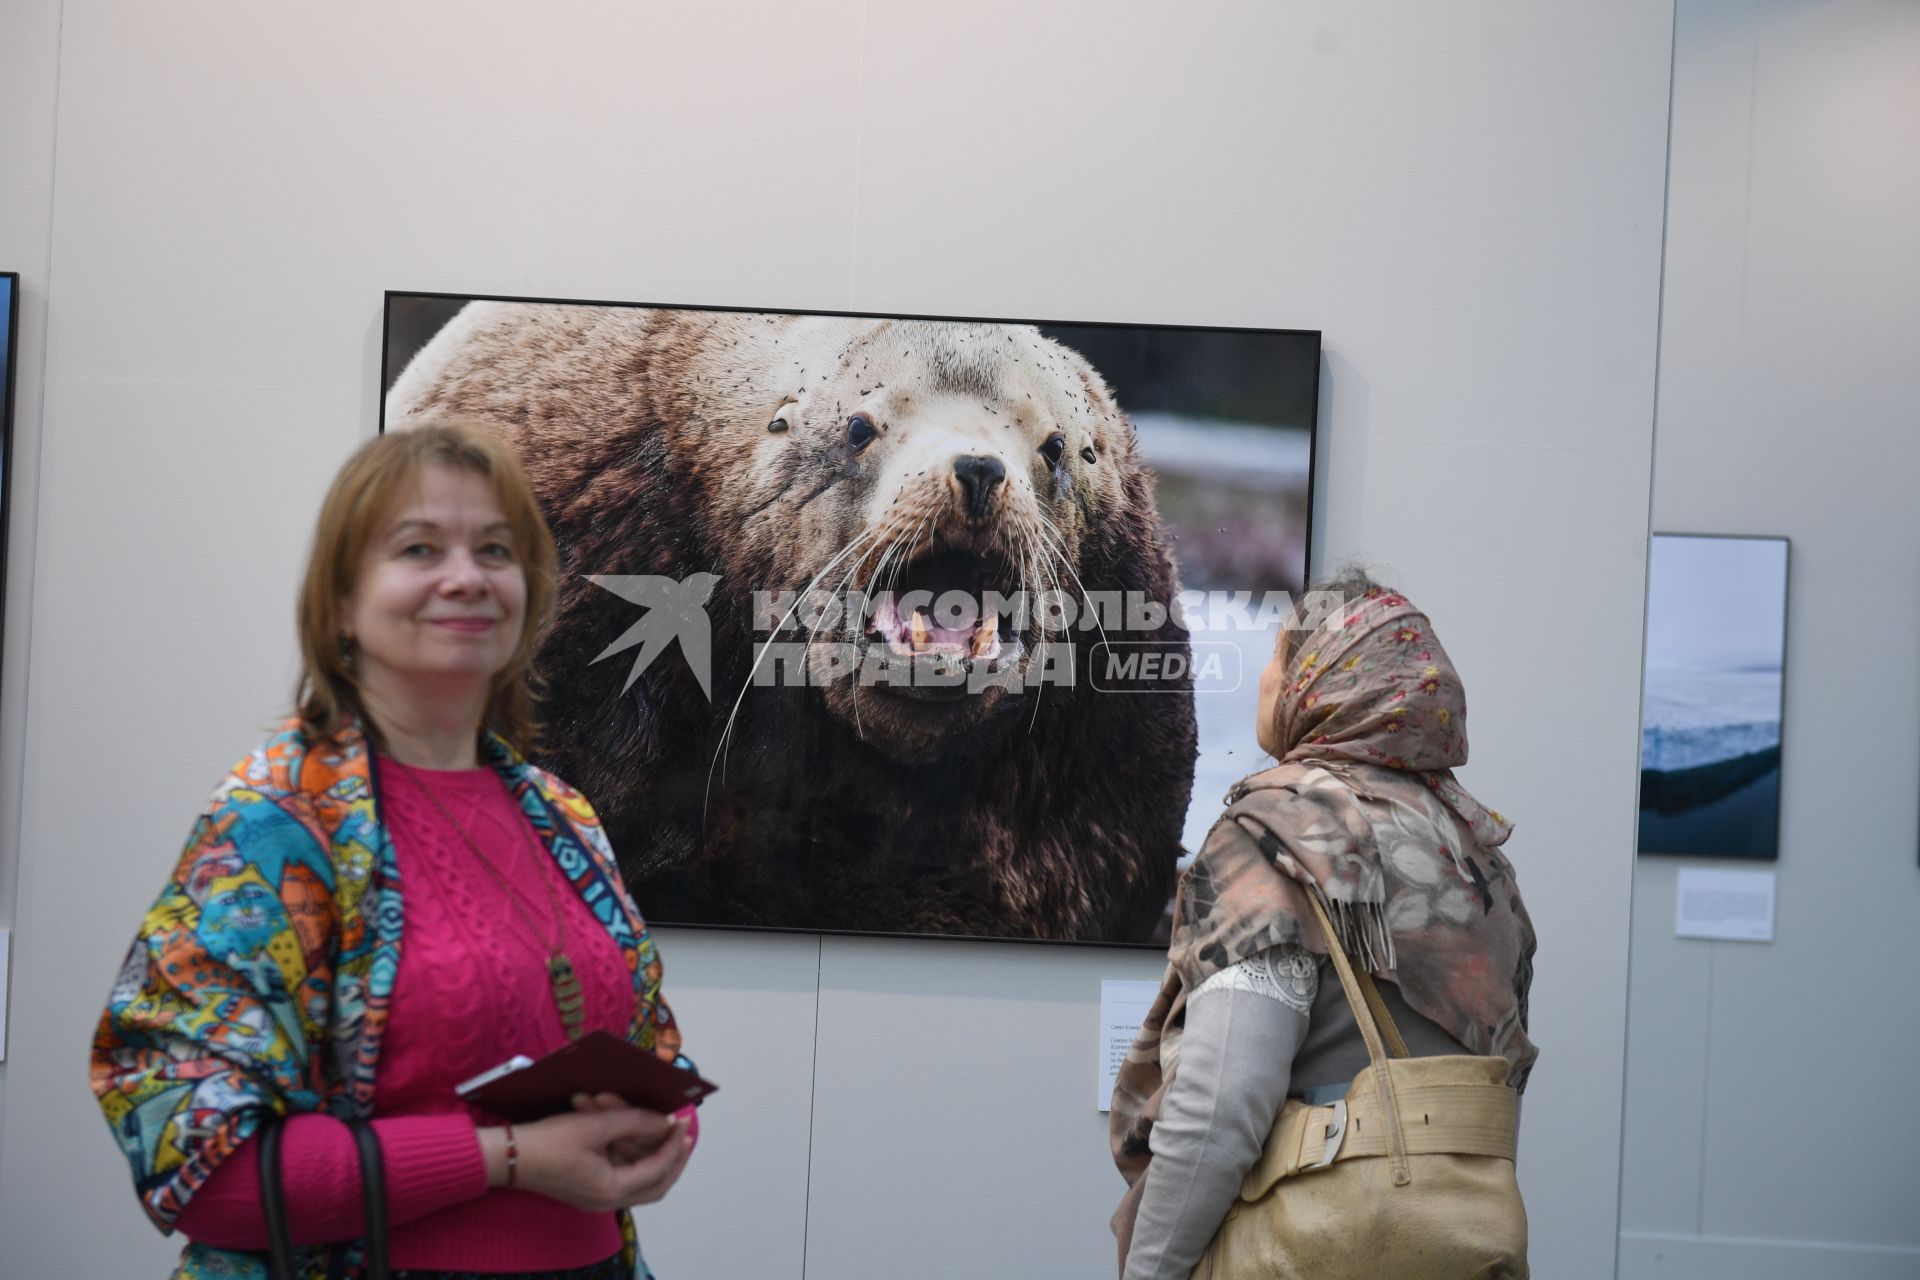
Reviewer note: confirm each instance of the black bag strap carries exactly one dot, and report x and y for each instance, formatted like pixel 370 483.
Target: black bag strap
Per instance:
pixel 373 1194
pixel 273 1199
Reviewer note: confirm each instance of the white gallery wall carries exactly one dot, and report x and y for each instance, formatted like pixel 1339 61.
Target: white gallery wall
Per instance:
pixel 1771 1127
pixel 1467 199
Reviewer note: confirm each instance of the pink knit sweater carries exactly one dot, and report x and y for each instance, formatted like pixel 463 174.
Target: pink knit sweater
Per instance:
pixel 471 991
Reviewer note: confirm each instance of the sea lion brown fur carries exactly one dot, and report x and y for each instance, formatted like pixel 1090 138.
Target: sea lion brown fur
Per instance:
pixel 781 452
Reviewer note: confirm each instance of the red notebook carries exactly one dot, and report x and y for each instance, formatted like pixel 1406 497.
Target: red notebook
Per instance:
pixel 597 1062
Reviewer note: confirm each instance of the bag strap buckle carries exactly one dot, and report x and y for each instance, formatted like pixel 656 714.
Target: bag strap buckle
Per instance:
pixel 1336 1132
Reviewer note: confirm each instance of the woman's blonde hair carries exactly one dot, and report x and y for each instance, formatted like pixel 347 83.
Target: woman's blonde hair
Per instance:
pixel 362 494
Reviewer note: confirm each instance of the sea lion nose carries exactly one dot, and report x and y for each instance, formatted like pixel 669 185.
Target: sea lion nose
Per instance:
pixel 980 480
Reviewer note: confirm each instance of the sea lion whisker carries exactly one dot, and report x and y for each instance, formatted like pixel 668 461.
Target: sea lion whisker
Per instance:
pixel 880 566
pixel 1054 541
pixel 906 558
pixel 1050 576
pixel 726 733
pixel 1059 549
pixel 871 537
pixel 1053 576
pixel 889 560
pixel 859 729
pixel 910 537
pixel 1029 569
pixel 1037 582
pixel 889 576
pixel 859 568
pixel 872 578
pixel 813 632
pixel 887 572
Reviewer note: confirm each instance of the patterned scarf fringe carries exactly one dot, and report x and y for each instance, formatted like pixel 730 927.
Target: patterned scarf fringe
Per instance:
pixel 1363 931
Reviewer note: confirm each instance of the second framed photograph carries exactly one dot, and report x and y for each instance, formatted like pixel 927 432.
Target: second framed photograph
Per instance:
pixel 1713 699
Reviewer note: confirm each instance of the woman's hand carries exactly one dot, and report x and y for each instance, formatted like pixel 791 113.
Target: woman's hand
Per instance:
pixel 580 1158
pixel 627 1151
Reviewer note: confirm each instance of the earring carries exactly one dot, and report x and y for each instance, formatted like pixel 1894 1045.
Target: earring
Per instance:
pixel 345 642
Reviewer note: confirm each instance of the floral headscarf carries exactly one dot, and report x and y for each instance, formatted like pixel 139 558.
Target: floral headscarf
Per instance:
pixel 1363 809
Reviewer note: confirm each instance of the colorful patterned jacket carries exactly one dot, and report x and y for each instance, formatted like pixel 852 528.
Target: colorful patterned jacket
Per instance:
pixel 262 976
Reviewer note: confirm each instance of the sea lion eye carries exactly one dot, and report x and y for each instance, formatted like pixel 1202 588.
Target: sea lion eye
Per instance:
pixel 1054 449
pixel 860 432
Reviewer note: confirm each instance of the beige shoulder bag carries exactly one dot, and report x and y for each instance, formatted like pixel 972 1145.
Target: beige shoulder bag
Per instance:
pixel 1410 1175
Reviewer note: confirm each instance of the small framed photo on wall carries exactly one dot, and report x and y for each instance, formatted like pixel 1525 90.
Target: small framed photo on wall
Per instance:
pixel 1712 700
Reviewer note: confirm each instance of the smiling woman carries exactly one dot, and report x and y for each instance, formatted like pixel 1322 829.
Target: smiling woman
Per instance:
pixel 430 572
pixel 438 604
pixel 281 973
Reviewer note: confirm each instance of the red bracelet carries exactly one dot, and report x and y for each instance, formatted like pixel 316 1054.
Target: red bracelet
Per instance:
pixel 513 1154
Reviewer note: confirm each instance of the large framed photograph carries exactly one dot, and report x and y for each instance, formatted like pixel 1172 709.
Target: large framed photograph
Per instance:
pixel 1713 700
pixel 893 624
pixel 9 326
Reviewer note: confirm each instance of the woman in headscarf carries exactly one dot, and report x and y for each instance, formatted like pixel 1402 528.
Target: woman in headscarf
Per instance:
pixel 1366 716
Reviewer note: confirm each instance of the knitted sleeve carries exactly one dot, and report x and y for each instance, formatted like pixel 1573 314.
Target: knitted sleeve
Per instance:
pixel 431 1162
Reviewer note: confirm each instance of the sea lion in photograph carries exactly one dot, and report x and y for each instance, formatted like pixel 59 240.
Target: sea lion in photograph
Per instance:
pixel 925 463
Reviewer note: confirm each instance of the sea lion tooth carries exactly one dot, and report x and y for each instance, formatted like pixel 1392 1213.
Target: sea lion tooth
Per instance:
pixel 922 636
pixel 984 633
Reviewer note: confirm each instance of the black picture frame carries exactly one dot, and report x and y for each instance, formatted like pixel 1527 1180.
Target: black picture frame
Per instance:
pixel 1713 697
pixel 9 361
pixel 1282 358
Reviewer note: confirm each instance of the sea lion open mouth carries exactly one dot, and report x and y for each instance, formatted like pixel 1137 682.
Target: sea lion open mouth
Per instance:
pixel 953 602
pixel 946 616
